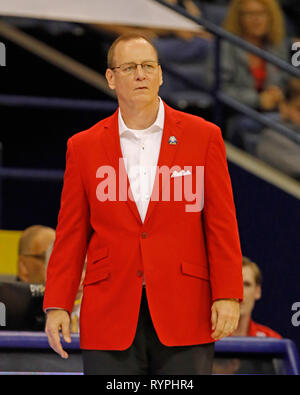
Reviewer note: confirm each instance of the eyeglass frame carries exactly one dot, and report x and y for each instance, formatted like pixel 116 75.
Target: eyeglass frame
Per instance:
pixel 136 65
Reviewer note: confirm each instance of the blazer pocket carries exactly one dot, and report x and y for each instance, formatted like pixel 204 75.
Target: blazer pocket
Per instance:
pixel 191 269
pixel 100 254
pixel 98 269
pixel 96 274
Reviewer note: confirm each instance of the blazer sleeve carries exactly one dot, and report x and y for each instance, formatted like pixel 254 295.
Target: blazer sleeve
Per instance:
pixel 220 223
pixel 72 235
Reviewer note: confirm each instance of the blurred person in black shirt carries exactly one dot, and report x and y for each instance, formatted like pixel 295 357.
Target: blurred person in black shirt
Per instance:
pixel 23 298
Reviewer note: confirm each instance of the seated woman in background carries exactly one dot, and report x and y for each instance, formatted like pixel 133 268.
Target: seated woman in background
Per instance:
pixel 246 77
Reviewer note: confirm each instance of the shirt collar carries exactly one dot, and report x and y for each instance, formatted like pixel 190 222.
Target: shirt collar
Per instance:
pixel 157 125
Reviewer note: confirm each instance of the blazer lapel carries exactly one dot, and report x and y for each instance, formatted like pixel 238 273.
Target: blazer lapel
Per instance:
pixel 167 151
pixel 112 146
pixel 113 150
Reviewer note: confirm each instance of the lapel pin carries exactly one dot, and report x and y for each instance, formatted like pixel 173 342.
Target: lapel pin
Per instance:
pixel 172 140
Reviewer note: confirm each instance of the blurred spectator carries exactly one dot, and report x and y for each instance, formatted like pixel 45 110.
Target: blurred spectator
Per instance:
pixel 191 6
pixel 194 9
pixel 33 244
pixel 252 292
pixel 247 327
pixel 246 77
pixel 23 298
pixel 76 309
pixel 217 2
pixel 276 149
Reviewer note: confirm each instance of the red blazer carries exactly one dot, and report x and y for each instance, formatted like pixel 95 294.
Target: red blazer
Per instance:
pixel 189 259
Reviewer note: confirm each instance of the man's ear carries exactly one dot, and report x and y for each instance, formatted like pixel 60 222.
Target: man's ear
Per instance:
pixel 110 77
pixel 23 272
pixel 160 76
pixel 257 292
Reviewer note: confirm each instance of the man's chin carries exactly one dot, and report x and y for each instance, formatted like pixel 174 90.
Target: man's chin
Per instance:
pixel 141 93
pixel 141 98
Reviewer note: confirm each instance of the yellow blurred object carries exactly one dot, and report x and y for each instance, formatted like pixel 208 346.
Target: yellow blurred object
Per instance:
pixel 9 240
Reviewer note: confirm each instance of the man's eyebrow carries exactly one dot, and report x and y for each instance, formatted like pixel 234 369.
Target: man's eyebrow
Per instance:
pixel 147 60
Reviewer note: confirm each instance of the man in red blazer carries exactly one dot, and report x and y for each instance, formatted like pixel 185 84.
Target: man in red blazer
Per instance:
pixel 164 272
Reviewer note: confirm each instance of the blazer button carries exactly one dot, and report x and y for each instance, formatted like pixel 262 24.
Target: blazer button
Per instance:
pixel 144 235
pixel 139 273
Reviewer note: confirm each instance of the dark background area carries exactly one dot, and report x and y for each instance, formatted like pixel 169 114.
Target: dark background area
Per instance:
pixel 269 221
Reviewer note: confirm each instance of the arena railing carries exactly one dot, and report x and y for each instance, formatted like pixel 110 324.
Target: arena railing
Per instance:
pixel 236 347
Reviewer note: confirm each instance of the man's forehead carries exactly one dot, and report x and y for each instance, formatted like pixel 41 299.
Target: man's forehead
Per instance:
pixel 131 49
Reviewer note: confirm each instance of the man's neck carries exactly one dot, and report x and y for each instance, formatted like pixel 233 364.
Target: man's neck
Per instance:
pixel 243 327
pixel 139 116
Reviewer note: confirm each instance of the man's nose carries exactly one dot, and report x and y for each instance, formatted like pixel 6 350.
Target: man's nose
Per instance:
pixel 140 74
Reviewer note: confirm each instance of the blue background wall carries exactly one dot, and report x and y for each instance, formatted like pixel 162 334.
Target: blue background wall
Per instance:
pixel 269 225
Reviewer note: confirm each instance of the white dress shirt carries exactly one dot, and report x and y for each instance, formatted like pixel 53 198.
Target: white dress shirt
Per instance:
pixel 140 149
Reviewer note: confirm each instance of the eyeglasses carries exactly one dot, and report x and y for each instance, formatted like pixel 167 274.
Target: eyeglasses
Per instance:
pixel 129 68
